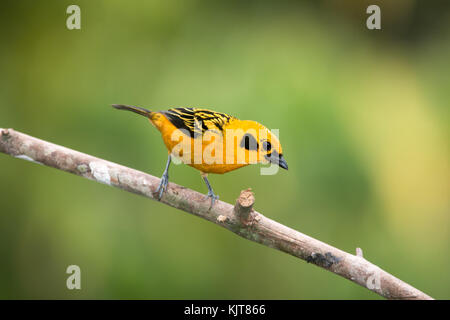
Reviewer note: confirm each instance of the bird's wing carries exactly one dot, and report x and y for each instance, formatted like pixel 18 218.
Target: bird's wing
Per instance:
pixel 196 121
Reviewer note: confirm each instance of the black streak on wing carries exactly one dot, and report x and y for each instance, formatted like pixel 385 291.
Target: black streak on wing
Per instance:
pixel 177 121
pixel 188 119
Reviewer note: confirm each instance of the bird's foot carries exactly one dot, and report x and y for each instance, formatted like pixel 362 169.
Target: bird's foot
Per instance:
pixel 162 185
pixel 213 197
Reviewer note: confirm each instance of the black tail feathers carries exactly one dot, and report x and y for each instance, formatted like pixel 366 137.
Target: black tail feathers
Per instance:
pixel 138 110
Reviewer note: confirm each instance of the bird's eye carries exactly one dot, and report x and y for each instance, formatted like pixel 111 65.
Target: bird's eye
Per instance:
pixel 249 142
pixel 267 146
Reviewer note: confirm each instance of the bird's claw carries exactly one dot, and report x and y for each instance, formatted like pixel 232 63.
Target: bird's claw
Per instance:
pixel 162 185
pixel 213 197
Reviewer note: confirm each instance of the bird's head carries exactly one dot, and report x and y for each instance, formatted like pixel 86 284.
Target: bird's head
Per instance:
pixel 261 144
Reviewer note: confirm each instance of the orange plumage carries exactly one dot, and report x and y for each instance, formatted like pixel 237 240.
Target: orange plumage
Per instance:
pixel 211 142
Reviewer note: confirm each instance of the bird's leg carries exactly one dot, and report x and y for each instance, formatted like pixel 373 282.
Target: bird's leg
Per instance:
pixel 164 179
pixel 211 194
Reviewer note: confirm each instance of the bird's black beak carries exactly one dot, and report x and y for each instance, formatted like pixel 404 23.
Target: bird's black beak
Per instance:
pixel 277 158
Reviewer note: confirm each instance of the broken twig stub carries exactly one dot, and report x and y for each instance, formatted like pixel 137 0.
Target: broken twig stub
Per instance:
pixel 244 206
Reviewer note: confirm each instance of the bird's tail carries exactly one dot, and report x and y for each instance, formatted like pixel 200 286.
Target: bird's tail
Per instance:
pixel 138 110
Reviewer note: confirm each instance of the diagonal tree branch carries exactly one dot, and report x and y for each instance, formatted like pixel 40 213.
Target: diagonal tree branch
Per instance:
pixel 240 219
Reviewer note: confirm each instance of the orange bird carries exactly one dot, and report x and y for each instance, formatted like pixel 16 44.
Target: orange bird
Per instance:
pixel 211 142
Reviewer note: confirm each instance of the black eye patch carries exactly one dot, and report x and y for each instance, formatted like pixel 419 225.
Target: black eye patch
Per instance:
pixel 249 142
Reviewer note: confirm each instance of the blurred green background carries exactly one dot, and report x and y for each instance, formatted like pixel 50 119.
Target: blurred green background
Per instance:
pixel 363 118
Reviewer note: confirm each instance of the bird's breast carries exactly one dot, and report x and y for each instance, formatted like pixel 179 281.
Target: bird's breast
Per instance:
pixel 211 152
